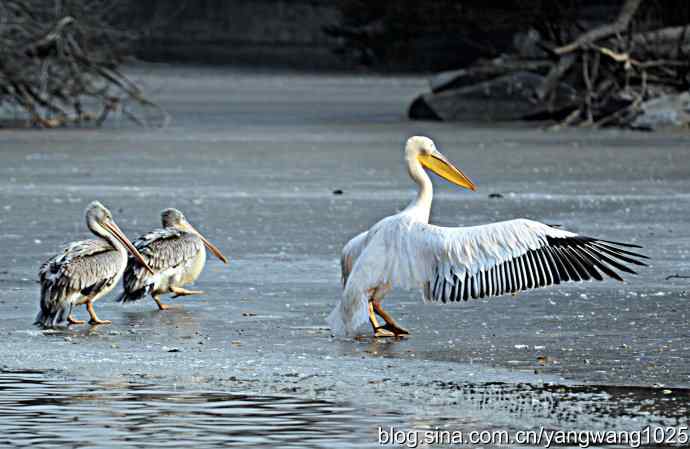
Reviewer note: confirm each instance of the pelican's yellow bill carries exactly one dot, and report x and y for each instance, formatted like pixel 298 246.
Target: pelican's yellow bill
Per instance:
pixel 216 252
pixel 117 232
pixel 445 169
pixel 213 248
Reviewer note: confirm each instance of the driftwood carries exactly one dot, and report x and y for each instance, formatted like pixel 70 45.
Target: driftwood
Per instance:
pixel 616 69
pixel 624 17
pixel 620 69
pixel 59 63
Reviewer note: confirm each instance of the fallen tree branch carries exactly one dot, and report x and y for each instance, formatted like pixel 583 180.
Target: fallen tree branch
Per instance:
pixel 554 76
pixel 609 75
pixel 624 17
pixel 59 62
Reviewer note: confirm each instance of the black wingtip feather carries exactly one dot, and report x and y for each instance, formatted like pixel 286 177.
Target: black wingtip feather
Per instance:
pixel 622 251
pixel 628 245
pixel 618 255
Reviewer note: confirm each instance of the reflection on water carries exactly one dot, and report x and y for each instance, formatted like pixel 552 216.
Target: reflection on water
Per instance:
pixel 36 411
pixel 527 406
pixel 41 411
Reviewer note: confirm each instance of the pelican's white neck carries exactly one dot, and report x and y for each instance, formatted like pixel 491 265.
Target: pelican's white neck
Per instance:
pixel 425 192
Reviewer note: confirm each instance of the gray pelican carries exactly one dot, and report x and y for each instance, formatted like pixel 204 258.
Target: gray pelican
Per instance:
pixel 84 271
pixel 177 255
pixel 453 264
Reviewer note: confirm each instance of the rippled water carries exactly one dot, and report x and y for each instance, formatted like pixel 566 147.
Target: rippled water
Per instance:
pixel 39 410
pixel 592 407
pixel 36 411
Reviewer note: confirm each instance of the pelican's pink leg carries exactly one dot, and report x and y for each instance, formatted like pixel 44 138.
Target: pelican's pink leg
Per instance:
pixel 92 313
pixel 72 320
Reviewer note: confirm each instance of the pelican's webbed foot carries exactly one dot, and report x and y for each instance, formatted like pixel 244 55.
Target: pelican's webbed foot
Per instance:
pixel 96 321
pixel 179 291
pixel 94 318
pixel 396 330
pixel 379 331
pixel 391 324
pixel 72 320
pixel 383 332
pixel 160 305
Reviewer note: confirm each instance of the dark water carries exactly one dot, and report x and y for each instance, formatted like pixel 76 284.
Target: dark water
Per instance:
pixel 36 411
pixel 591 407
pixel 40 410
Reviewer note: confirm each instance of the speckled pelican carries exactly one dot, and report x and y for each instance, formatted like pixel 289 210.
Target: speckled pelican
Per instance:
pixel 84 271
pixel 177 255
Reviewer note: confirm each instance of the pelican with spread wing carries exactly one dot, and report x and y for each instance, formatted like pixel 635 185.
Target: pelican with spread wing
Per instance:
pixel 84 271
pixel 453 264
pixel 177 255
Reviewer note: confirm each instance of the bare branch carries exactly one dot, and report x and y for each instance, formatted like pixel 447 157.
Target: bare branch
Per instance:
pixel 59 62
pixel 624 17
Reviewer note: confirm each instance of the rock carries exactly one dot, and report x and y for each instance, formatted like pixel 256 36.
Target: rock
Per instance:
pixel 509 97
pixel 485 71
pixel 452 79
pixel 667 111
pixel 420 110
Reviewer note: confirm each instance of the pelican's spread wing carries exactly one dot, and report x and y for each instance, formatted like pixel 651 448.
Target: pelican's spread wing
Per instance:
pixel 82 267
pixel 509 256
pixel 164 250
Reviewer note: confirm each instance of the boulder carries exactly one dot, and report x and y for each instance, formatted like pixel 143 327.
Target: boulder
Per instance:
pixel 508 97
pixel 420 110
pixel 667 111
pixel 485 71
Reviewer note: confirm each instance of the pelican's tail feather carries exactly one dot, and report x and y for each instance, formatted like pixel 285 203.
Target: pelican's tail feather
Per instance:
pixel 349 314
pixel 130 296
pixel 52 313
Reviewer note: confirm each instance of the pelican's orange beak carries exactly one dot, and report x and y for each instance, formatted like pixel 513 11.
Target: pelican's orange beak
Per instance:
pixel 439 164
pixel 115 230
pixel 213 248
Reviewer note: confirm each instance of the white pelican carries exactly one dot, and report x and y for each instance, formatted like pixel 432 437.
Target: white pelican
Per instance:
pixel 84 271
pixel 177 255
pixel 450 264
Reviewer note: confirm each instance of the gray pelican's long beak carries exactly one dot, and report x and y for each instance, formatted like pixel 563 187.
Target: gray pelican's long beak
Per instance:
pixel 213 248
pixel 118 234
pixel 440 165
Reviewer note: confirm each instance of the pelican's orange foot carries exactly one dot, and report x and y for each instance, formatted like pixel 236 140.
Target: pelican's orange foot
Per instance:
pixel 382 332
pixel 94 318
pixel 179 291
pixel 97 321
pixel 395 329
pixel 72 320
pixel 160 305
